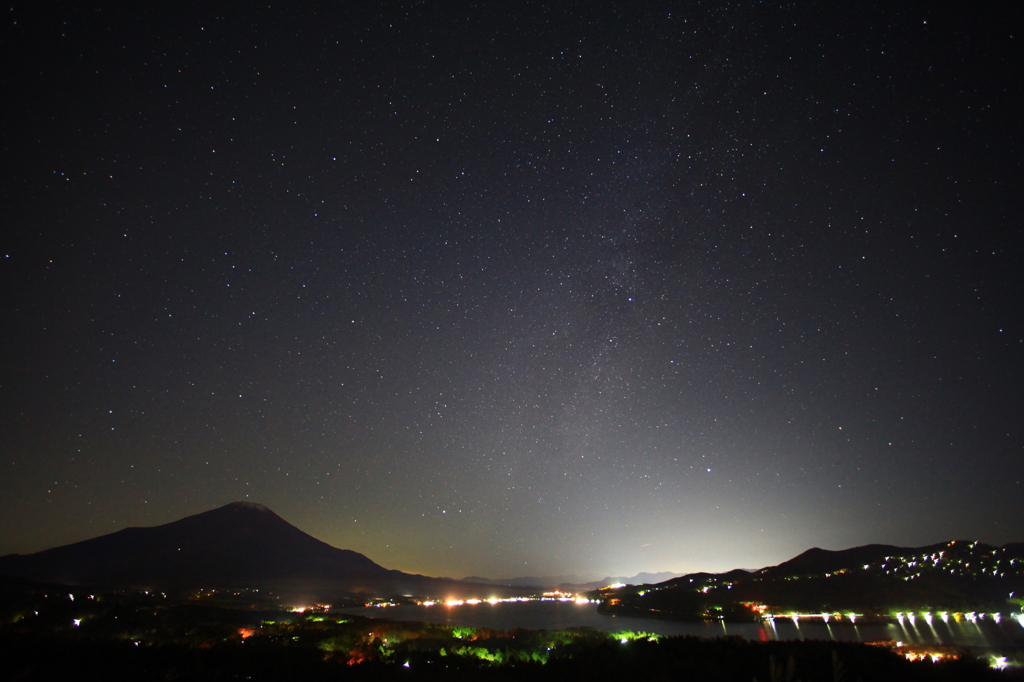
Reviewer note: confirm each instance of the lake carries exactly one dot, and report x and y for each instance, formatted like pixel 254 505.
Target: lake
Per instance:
pixel 554 615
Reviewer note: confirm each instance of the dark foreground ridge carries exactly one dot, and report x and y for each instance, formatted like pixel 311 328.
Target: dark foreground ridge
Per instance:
pixel 241 545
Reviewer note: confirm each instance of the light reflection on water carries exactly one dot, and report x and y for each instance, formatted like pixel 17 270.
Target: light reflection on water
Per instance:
pixel 536 615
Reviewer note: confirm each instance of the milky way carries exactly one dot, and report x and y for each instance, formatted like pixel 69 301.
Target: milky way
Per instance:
pixel 586 289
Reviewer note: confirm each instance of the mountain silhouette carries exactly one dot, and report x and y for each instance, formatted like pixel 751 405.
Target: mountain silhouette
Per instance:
pixel 572 583
pixel 817 560
pixel 240 545
pixel 872 579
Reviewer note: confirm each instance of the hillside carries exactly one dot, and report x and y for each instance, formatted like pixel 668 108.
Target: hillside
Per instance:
pixel 874 579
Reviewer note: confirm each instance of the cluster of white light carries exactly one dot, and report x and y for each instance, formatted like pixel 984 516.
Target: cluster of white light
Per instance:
pixel 911 567
pixel 576 599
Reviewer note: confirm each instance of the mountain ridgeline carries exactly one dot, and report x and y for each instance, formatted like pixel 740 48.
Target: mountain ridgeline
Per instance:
pixel 245 546
pixel 569 583
pixel 239 546
pixel 875 580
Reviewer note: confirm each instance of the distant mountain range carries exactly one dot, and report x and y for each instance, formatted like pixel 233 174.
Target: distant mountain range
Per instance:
pixel 247 546
pixel 240 545
pixel 572 583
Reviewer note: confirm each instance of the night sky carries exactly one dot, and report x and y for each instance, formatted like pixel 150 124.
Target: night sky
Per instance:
pixel 515 288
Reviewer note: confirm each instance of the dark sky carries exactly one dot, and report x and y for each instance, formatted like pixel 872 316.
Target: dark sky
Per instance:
pixel 515 288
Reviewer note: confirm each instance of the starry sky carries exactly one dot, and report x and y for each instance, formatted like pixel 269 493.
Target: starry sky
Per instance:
pixel 511 289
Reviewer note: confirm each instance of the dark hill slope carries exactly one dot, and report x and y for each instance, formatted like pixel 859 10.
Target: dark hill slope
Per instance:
pixel 873 579
pixel 238 545
pixel 817 560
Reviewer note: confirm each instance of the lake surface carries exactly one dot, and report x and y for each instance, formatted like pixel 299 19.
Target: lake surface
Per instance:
pixel 553 615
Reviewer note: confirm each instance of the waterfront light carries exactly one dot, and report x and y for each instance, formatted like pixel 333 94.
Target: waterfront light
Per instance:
pixel 1000 662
